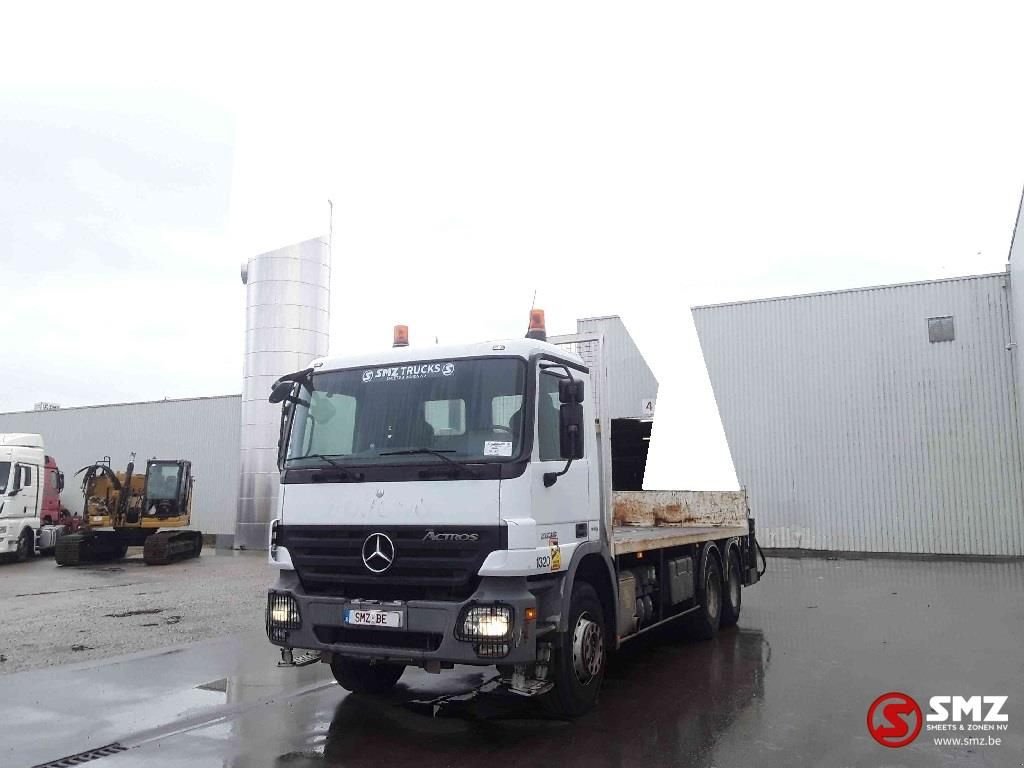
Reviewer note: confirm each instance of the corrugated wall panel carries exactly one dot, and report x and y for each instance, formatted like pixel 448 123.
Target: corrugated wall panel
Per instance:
pixel 1016 269
pixel 851 431
pixel 631 379
pixel 204 430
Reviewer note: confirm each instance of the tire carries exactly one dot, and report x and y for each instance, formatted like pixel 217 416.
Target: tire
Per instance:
pixel 704 622
pixel 732 592
pixel 581 656
pixel 359 676
pixel 26 546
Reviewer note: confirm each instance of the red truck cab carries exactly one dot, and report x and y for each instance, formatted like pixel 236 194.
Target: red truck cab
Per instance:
pixel 53 484
pixel 52 511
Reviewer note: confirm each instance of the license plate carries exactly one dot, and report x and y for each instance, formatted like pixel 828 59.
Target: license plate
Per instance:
pixel 371 618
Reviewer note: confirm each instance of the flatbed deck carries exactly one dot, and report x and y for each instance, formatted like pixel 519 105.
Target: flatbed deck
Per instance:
pixel 643 538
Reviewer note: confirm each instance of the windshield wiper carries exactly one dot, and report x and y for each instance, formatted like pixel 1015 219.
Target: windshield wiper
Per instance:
pixel 456 466
pixel 337 470
pixel 323 456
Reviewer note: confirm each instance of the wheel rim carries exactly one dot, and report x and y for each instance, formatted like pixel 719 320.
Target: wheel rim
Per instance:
pixel 713 590
pixel 587 649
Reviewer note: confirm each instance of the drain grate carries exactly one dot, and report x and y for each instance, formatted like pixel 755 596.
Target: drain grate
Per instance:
pixel 84 757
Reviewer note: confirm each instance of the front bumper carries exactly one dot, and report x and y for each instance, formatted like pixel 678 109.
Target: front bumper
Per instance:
pixel 429 627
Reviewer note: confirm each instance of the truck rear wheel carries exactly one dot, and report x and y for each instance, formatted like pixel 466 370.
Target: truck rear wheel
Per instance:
pixel 359 676
pixel 704 622
pixel 581 656
pixel 733 592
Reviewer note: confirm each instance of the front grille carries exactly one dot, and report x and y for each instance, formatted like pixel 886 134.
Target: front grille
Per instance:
pixel 379 638
pixel 328 560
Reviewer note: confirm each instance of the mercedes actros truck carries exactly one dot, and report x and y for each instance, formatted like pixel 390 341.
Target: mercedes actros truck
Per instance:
pixel 454 505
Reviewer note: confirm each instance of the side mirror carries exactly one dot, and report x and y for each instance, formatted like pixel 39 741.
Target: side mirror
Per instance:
pixel 570 431
pixel 280 391
pixel 570 391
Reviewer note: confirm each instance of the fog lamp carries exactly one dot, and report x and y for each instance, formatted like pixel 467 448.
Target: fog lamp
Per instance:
pixel 485 622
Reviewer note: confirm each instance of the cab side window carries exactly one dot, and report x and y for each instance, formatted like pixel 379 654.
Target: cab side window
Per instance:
pixel 26 478
pixel 547 417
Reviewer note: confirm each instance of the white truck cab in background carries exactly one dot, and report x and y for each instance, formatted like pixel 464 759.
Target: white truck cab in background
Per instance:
pixel 454 505
pixel 30 486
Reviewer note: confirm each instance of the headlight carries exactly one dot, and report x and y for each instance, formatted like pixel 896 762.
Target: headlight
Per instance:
pixel 282 615
pixel 485 622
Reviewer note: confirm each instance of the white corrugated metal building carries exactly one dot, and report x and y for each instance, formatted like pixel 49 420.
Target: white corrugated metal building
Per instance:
pixel 204 430
pixel 878 419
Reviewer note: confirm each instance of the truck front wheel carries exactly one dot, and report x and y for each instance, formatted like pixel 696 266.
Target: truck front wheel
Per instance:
pixel 26 546
pixel 581 657
pixel 359 676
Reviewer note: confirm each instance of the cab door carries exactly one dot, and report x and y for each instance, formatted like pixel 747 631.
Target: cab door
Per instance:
pixel 25 500
pixel 561 509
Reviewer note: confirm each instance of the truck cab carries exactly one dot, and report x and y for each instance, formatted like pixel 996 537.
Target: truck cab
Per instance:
pixel 454 505
pixel 30 487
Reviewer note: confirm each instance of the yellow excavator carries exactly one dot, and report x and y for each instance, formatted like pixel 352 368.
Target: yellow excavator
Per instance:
pixel 124 509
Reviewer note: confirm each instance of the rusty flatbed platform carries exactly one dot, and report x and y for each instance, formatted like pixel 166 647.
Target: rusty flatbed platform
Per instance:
pixel 642 538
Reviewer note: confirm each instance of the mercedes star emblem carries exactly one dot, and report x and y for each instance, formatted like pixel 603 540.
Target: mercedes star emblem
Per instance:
pixel 378 552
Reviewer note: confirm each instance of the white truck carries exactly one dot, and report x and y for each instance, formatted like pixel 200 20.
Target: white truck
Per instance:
pixel 454 505
pixel 30 486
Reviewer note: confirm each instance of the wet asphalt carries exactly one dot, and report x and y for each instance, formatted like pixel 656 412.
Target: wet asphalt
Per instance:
pixel 818 641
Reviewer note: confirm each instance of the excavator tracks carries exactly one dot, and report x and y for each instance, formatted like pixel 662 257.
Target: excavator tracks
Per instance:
pixel 160 548
pixel 166 547
pixel 89 547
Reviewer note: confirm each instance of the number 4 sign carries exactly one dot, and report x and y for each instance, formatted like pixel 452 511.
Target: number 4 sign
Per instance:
pixel 647 407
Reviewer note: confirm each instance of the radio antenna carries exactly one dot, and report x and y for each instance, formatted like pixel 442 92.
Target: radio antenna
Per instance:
pixel 330 224
pixel 533 303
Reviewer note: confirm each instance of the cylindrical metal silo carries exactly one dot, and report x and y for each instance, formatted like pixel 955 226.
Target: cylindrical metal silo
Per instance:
pixel 287 307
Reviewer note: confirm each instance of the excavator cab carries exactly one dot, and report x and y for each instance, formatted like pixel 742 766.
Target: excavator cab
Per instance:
pixel 126 509
pixel 168 489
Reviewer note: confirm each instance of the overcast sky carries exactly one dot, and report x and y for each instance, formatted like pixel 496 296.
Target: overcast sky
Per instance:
pixel 630 159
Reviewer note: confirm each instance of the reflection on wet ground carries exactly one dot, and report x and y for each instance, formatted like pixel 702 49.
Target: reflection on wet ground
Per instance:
pixel 664 703
pixel 818 641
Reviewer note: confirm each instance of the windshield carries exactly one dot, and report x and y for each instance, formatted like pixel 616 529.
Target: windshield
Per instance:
pixel 162 481
pixel 467 410
pixel 5 473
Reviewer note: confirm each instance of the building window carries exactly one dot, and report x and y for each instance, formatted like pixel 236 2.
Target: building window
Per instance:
pixel 940 329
